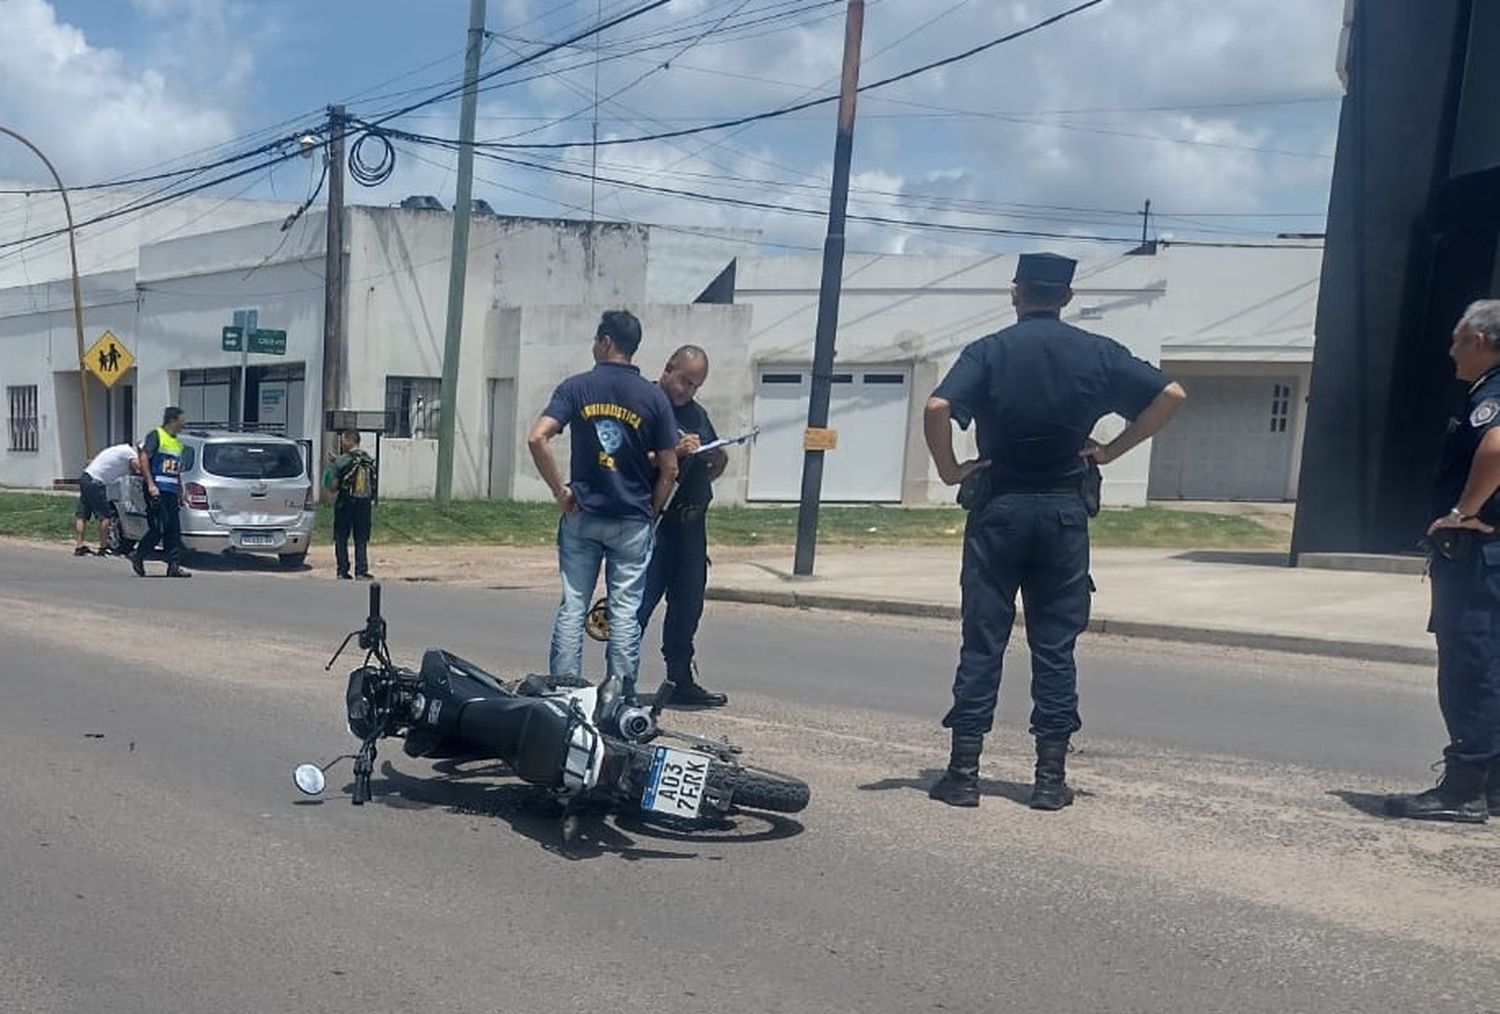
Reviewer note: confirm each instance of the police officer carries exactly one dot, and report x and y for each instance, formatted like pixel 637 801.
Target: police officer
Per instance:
pixel 679 561
pixel 160 465
pixel 1466 584
pixel 1036 390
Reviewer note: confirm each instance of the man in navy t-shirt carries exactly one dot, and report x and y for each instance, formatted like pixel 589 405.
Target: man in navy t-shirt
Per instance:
pixel 621 472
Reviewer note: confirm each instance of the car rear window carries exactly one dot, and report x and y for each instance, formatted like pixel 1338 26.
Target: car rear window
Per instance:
pixel 252 461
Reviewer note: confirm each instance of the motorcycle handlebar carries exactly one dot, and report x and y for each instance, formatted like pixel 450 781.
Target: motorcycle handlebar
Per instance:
pixel 374 601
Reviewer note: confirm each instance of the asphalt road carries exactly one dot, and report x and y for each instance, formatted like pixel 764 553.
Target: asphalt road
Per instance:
pixel 1222 857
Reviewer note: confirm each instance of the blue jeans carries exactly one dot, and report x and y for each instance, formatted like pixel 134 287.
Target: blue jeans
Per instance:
pixel 623 545
pixel 1038 544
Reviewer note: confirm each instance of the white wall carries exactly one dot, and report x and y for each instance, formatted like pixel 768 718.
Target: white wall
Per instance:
pixel 1187 303
pixel 39 346
pixel 189 288
pixel 408 468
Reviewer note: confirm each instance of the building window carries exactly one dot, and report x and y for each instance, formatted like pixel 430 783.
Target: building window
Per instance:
pixel 1281 400
pixel 23 418
pixel 412 404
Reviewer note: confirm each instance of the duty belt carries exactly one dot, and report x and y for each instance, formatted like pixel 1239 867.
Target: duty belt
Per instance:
pixel 685 512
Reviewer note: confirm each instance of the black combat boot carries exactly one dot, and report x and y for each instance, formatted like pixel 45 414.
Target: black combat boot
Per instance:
pixel 959 785
pixel 175 570
pixel 692 694
pixel 1051 790
pixel 1494 789
pixel 1459 797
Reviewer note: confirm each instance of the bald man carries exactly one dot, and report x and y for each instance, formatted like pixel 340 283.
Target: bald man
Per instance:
pixel 679 561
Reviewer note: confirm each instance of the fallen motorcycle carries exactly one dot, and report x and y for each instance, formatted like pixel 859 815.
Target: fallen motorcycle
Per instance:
pixel 585 746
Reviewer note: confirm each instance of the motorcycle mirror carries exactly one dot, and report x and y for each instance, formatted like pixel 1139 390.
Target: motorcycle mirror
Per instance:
pixel 309 779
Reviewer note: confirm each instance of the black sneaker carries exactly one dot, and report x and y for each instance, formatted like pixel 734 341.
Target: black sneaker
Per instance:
pixel 82 551
pixel 138 565
pixel 176 571
pixel 345 577
pixel 104 551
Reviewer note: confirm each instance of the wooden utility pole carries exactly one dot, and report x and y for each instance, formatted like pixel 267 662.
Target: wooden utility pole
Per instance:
pixel 459 268
pixel 818 436
pixel 333 279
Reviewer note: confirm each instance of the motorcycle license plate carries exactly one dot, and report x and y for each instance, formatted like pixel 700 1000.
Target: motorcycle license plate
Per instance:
pixel 675 786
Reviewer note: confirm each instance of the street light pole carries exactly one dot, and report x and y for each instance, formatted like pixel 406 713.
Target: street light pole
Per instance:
pixel 83 380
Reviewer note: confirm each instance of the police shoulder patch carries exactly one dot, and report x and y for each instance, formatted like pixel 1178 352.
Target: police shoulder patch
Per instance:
pixel 1485 412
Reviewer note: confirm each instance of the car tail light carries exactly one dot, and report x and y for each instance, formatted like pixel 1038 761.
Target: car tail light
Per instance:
pixel 196 496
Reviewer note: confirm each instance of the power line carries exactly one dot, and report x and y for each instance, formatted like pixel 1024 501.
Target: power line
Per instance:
pixel 871 219
pixel 824 100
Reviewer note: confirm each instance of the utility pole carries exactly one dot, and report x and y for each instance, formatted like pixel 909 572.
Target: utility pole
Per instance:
pixel 817 436
pixel 1147 247
pixel 459 268
pixel 333 278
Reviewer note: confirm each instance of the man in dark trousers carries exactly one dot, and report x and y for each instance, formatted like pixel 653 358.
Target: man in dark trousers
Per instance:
pixel 1036 390
pixel 352 478
pixel 1466 584
pixel 160 464
pixel 679 563
pixel 621 470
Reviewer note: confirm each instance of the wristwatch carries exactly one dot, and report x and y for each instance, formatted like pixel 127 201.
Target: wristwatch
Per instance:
pixel 1459 515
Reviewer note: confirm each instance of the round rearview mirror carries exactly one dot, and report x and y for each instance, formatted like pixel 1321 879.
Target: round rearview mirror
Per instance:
pixel 309 779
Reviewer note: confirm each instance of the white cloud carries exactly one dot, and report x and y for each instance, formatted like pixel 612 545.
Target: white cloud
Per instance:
pixel 96 111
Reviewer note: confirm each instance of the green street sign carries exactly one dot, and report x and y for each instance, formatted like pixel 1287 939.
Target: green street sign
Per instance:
pixel 232 337
pixel 268 343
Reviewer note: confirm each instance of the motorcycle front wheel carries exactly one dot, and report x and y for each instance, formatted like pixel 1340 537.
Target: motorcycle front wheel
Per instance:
pixel 759 789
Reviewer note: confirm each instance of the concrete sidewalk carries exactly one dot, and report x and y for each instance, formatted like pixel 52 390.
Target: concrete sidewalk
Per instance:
pixel 1240 599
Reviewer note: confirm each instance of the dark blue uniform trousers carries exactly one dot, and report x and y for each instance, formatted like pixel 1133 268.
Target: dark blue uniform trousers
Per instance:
pixel 1466 620
pixel 1037 543
pixel 678 570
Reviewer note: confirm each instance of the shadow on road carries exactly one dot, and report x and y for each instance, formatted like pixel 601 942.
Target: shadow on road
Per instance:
pixel 1243 557
pixel 469 788
pixel 1369 803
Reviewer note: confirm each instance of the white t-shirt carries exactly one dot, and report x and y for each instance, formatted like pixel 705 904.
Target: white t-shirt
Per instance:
pixel 111 463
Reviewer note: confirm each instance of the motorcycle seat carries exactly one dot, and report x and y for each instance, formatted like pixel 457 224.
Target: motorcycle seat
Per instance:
pixel 529 734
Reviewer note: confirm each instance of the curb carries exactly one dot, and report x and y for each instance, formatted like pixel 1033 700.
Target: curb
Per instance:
pixel 1363 651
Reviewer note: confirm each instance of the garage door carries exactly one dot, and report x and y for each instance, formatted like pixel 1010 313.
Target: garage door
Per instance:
pixel 869 407
pixel 1231 441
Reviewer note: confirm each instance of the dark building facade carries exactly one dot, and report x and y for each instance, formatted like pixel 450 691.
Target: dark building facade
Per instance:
pixel 1413 227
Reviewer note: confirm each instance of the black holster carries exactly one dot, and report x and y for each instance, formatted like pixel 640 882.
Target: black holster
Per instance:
pixel 976 490
pixel 1093 484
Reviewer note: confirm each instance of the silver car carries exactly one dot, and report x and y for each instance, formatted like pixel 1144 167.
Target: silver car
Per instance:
pixel 241 493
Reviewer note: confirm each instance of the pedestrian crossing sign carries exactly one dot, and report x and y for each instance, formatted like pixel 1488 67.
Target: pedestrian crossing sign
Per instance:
pixel 108 359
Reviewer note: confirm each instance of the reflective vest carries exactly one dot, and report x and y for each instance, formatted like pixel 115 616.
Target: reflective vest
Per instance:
pixel 166 462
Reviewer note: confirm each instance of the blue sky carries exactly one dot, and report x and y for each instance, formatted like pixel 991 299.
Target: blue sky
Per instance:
pixel 1223 112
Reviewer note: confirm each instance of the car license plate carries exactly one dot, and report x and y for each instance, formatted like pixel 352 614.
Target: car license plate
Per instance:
pixel 257 539
pixel 675 786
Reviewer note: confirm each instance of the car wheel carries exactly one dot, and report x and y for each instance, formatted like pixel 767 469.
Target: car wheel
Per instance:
pixel 292 561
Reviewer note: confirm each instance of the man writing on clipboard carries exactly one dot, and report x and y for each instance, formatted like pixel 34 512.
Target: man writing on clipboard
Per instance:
pixel 679 561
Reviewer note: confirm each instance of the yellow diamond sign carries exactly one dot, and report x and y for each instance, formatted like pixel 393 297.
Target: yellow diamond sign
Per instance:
pixel 108 359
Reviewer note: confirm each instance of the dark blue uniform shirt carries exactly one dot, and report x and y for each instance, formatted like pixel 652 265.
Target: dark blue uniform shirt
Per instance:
pixel 616 417
pixel 1462 440
pixel 1037 388
pixel 694 487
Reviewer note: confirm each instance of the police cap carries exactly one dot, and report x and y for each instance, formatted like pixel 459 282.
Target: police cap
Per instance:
pixel 1045 269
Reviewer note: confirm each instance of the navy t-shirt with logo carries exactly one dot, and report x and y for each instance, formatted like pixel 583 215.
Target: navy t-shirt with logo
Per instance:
pixel 616 417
